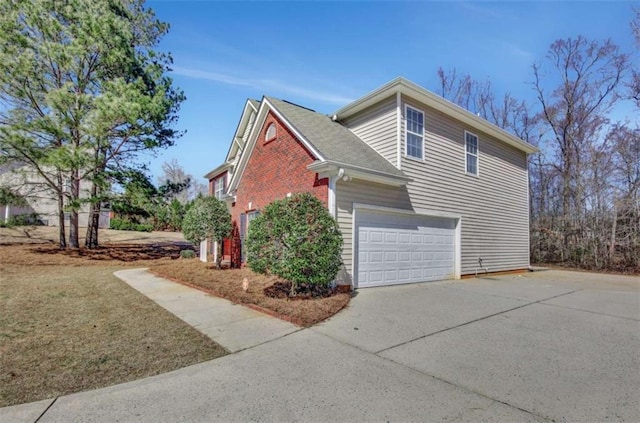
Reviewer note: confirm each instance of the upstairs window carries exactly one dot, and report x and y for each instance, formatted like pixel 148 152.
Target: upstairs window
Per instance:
pixel 414 133
pixel 471 155
pixel 271 132
pixel 218 188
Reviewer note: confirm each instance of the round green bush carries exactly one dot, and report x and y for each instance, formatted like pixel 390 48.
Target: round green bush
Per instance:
pixel 207 217
pixel 296 239
pixel 187 254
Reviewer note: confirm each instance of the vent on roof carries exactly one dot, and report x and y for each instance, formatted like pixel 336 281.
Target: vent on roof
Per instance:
pixel 271 132
pixel 297 105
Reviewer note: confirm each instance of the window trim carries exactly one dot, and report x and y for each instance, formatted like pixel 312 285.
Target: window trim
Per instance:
pixel 215 188
pixel 273 136
pixel 407 132
pixel 476 155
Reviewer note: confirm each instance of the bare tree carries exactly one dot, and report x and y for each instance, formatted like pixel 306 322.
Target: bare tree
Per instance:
pixel 584 183
pixel 174 173
pixel 587 75
pixel 634 84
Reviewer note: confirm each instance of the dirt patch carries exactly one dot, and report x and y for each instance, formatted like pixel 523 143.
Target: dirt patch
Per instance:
pixel 228 284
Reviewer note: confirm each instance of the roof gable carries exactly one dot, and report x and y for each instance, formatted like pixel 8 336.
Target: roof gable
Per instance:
pixel 239 139
pixel 335 143
pixel 413 90
pixel 328 141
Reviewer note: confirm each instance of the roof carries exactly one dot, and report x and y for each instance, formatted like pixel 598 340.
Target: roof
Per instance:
pixel 255 103
pixel 413 90
pixel 333 141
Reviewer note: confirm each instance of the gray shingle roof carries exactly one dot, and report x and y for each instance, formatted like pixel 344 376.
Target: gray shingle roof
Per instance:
pixel 335 142
pixel 255 103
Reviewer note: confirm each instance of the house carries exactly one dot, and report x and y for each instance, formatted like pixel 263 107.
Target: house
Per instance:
pixel 422 189
pixel 42 205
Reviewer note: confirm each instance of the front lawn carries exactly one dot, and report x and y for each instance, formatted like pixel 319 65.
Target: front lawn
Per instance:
pixel 228 284
pixel 68 325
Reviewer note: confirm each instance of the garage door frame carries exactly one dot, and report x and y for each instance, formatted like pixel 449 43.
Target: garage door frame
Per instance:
pixel 359 208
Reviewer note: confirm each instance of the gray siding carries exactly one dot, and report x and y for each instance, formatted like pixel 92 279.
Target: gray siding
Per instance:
pixel 494 206
pixel 377 127
pixel 354 191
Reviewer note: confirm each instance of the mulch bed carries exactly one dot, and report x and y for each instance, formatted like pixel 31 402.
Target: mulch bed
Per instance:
pixel 267 293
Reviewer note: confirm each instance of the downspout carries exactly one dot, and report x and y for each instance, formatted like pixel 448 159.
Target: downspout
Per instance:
pixel 332 197
pixel 398 130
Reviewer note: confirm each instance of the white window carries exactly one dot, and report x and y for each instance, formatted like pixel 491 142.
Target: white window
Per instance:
pixel 414 133
pixel 471 155
pixel 218 188
pixel 271 132
pixel 250 216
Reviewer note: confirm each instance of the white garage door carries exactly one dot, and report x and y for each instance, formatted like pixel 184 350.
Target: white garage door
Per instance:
pixel 397 248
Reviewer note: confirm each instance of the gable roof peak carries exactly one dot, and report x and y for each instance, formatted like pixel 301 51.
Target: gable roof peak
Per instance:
pixel 404 87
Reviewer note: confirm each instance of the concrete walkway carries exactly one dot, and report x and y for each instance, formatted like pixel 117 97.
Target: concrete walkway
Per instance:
pixel 232 326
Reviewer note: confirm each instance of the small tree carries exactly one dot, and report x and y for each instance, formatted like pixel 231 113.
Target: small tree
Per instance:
pixel 296 239
pixel 208 217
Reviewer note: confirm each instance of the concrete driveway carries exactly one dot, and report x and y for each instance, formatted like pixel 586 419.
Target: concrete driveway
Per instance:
pixel 543 346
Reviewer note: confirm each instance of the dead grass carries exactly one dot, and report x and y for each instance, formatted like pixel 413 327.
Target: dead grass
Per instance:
pixel 67 324
pixel 49 235
pixel 228 284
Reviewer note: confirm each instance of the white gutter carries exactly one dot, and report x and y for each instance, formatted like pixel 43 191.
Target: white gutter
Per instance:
pixel 347 172
pixel 218 170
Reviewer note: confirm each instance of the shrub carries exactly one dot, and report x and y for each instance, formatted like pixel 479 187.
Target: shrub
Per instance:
pixel 28 219
pixel 297 240
pixel 187 254
pixel 207 217
pixel 125 225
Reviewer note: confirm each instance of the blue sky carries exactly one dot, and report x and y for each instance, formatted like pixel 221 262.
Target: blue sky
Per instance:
pixel 324 54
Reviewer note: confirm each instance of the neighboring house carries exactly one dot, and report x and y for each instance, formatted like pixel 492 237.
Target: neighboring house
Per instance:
pixel 422 189
pixel 42 201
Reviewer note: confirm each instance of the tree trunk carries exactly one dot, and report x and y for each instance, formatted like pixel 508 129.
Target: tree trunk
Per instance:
pixel 61 225
pixel 219 254
pixel 62 235
pixel 73 215
pixel 612 247
pixel 91 239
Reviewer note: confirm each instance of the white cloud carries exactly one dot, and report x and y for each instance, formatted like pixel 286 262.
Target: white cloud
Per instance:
pixel 266 86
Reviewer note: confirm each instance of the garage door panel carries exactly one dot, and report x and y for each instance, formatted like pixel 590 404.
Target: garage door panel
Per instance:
pixel 402 249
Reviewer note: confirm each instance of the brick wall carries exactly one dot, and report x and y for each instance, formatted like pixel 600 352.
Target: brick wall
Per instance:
pixel 276 168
